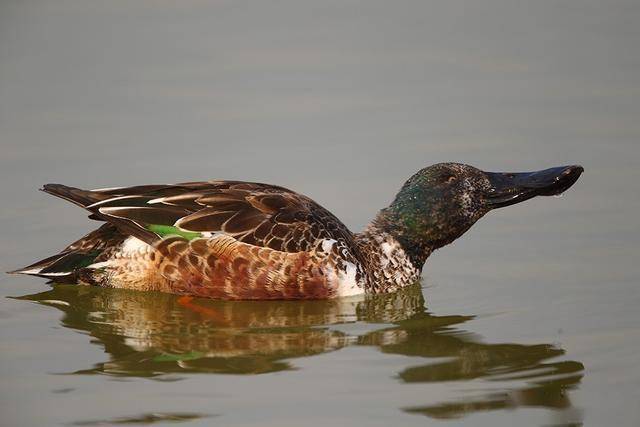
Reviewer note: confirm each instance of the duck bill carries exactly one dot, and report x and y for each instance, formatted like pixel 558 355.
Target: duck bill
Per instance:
pixel 508 188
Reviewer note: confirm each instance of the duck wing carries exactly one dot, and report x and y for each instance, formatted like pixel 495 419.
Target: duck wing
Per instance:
pixel 253 213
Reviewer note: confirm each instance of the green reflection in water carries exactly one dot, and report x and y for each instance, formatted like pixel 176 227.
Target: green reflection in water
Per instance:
pixel 155 334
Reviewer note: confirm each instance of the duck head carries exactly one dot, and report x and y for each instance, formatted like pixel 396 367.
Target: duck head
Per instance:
pixel 441 202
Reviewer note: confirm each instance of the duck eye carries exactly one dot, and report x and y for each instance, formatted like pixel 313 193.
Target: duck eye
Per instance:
pixel 447 178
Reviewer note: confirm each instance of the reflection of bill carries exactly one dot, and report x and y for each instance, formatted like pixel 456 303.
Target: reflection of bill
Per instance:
pixel 152 334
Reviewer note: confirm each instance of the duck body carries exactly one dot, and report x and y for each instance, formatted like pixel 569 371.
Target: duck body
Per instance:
pixel 223 240
pixel 252 241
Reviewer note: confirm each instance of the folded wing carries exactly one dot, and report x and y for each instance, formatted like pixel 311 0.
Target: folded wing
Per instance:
pixel 258 214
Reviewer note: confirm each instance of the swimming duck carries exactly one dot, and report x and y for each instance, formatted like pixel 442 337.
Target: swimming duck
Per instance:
pixel 245 240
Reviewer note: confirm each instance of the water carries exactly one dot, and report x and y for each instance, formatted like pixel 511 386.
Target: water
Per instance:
pixel 530 319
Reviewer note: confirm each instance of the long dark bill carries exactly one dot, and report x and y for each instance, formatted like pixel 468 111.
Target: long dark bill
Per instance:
pixel 511 188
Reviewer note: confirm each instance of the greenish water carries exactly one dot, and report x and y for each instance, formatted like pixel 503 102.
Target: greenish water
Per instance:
pixel 530 319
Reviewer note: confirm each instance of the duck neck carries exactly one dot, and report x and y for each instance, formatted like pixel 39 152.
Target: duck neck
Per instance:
pixel 389 266
pixel 389 222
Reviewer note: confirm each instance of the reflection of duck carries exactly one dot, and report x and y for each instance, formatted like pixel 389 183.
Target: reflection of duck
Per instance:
pixel 154 334
pixel 171 334
pixel 239 240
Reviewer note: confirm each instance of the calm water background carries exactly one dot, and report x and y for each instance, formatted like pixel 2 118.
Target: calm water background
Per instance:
pixel 532 318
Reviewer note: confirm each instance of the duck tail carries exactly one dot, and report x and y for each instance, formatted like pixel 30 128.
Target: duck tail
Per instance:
pixel 77 196
pixel 65 265
pixel 59 266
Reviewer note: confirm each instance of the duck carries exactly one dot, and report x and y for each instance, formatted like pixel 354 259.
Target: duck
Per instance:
pixel 235 240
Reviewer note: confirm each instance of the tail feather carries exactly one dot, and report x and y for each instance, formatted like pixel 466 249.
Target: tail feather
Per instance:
pixel 86 198
pixel 64 264
pixel 71 261
pixel 78 255
pixel 82 198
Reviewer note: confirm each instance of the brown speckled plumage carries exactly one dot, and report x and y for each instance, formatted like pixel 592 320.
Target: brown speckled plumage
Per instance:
pixel 221 268
pixel 241 240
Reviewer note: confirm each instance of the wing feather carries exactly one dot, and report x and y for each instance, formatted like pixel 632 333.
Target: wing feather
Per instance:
pixel 257 214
